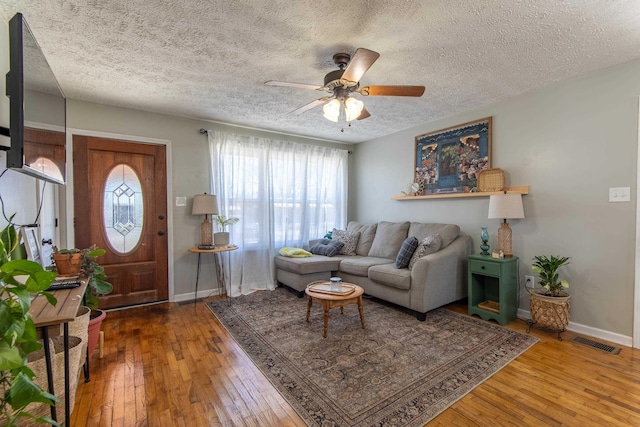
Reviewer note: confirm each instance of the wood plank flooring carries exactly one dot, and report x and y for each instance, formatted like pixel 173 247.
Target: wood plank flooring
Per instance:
pixel 175 365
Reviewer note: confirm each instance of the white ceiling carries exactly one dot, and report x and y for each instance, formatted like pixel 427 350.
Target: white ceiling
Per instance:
pixel 209 59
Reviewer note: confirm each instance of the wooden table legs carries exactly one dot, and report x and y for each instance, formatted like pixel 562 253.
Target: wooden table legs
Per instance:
pixel 329 304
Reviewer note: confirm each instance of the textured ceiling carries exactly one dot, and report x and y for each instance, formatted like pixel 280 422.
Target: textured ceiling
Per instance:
pixel 209 59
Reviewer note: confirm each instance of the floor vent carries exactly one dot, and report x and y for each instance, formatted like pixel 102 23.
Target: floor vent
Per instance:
pixel 597 345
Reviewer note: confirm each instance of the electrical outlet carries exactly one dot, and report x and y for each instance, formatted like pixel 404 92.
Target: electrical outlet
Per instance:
pixel 529 282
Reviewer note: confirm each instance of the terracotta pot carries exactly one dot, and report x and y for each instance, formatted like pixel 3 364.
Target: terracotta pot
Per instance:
pixel 68 264
pixel 97 316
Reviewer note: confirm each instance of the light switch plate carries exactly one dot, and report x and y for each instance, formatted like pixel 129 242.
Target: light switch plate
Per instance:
pixel 620 194
pixel 181 201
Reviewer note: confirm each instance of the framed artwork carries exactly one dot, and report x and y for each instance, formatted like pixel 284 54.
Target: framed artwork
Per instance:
pixel 31 244
pixel 449 160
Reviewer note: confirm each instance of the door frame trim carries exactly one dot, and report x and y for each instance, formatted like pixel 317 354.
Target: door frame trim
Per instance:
pixel 68 235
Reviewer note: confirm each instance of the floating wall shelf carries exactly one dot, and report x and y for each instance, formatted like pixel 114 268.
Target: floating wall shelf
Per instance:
pixel 524 189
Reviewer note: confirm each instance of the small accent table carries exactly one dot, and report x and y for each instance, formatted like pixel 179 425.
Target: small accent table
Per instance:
pixel 493 287
pixel 45 317
pixel 218 261
pixel 329 301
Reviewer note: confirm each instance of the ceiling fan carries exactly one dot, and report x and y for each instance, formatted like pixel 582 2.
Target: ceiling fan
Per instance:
pixel 342 83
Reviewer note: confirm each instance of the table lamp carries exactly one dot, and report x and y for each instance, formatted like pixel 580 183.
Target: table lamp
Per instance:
pixel 205 204
pixel 505 206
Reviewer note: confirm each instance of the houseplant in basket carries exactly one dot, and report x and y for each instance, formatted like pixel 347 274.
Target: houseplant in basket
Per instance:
pixel 18 333
pixel 550 307
pixel 222 237
pixel 97 286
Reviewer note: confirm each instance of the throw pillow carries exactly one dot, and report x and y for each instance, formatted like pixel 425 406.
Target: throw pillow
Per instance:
pixel 406 252
pixel 428 245
pixel 327 249
pixel 294 252
pixel 349 239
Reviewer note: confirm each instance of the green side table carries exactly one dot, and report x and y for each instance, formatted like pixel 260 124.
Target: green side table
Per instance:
pixel 493 287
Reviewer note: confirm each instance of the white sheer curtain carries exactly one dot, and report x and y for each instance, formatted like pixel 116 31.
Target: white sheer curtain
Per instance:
pixel 284 193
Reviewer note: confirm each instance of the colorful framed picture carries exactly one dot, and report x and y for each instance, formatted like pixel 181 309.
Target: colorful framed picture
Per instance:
pixel 450 160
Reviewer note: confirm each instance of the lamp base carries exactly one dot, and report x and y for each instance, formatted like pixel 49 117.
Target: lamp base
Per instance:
pixel 504 239
pixel 206 232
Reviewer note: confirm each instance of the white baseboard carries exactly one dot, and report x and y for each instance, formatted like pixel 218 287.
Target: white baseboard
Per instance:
pixel 588 330
pixel 191 295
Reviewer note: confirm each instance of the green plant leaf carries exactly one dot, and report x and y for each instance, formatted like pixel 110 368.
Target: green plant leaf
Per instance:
pixel 95 253
pixel 10 357
pixel 23 391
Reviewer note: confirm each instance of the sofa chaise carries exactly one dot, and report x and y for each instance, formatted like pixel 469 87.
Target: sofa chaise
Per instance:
pixel 436 279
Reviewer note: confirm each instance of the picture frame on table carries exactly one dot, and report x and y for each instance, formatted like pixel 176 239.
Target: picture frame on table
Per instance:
pixel 32 244
pixel 450 160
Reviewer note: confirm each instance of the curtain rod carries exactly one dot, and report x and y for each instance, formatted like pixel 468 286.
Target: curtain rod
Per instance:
pixel 203 131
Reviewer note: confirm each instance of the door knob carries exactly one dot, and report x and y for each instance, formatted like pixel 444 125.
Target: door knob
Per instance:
pixel 160 233
pixel 160 216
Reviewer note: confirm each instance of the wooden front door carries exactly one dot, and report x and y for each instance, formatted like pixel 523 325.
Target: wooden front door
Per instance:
pixel 120 202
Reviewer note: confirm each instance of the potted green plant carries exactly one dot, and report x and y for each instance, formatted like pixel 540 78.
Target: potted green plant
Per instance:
pixel 550 307
pixel 222 237
pixel 97 286
pixel 18 333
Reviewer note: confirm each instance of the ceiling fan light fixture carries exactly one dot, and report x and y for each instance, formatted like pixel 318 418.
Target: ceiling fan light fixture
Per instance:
pixel 332 110
pixel 353 107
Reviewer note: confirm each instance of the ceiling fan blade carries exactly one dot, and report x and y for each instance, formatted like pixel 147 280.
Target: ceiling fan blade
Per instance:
pixel 364 114
pixel 297 85
pixel 311 105
pixel 359 64
pixel 392 91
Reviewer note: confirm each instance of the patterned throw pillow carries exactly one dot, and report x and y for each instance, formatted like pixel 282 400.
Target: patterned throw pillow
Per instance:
pixel 406 252
pixel 428 245
pixel 349 239
pixel 294 252
pixel 327 249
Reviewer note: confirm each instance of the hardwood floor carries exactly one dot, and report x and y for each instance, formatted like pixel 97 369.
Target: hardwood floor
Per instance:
pixel 175 365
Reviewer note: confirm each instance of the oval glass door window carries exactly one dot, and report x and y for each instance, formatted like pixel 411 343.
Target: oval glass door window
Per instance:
pixel 123 209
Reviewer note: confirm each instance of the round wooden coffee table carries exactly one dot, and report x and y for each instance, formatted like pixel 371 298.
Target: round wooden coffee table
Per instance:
pixel 331 300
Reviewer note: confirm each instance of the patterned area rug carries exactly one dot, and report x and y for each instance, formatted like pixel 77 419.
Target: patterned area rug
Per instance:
pixel 396 372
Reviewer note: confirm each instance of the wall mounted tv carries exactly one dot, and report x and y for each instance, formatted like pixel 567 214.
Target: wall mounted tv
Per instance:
pixel 37 109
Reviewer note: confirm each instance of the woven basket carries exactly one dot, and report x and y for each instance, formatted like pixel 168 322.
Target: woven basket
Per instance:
pixel 550 312
pixel 491 180
pixel 37 364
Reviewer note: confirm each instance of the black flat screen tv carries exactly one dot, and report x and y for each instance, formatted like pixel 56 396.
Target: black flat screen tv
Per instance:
pixel 37 109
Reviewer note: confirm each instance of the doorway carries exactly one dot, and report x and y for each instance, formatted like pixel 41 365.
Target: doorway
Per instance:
pixel 120 205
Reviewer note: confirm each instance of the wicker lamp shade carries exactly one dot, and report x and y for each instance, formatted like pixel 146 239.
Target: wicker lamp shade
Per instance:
pixel 205 204
pixel 505 206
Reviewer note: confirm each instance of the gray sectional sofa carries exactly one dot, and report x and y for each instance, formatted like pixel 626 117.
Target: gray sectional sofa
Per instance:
pixel 434 280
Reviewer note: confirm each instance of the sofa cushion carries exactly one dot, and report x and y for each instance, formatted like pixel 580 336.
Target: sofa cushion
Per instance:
pixel 388 239
pixel 359 266
pixel 428 245
pixel 367 233
pixel 294 252
pixel 448 232
pixel 349 239
pixel 389 275
pixel 327 247
pixel 406 252
pixel 314 264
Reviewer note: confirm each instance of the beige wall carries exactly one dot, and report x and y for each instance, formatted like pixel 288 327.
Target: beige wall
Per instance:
pixel 569 142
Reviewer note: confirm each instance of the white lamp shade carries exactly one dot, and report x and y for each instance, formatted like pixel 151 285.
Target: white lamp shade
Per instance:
pixel 504 206
pixel 353 107
pixel 204 204
pixel 332 110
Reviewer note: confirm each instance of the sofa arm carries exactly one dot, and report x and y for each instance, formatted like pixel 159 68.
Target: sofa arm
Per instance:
pixel 441 277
